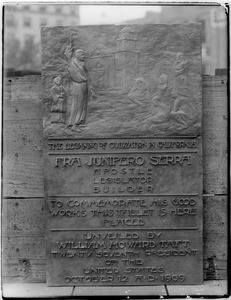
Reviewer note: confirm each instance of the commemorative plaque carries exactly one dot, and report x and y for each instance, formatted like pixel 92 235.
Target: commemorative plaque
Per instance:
pixel 123 159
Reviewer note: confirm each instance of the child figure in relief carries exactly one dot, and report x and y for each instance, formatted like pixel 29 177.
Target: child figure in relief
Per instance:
pixel 57 93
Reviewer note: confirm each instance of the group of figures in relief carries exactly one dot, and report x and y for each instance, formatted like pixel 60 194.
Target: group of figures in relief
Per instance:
pixel 80 92
pixel 168 102
pixel 171 99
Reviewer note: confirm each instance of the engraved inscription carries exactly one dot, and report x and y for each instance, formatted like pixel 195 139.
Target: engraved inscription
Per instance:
pixel 127 212
pixel 148 144
pixel 140 224
pixel 123 256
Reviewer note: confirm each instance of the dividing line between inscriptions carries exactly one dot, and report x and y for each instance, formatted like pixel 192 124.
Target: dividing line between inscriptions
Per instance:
pixel 122 229
pixel 124 138
pixel 125 195
pixel 125 152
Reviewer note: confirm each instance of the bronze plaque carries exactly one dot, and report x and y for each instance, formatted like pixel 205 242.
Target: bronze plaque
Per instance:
pixel 123 155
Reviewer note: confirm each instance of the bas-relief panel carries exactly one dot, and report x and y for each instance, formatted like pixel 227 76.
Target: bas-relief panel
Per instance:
pixel 123 162
pixel 122 80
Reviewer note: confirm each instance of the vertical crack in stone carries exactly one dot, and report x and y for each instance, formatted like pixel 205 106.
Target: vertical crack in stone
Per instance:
pixel 72 292
pixel 166 288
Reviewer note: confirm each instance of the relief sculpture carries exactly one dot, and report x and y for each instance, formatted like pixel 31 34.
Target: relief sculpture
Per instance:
pixel 58 101
pixel 162 101
pixel 79 89
pixel 131 96
pixel 122 156
pixel 139 92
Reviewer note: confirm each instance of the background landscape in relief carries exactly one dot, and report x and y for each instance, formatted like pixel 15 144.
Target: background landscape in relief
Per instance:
pixel 126 80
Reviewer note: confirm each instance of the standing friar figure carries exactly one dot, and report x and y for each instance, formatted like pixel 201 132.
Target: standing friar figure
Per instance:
pixel 79 89
pixel 81 93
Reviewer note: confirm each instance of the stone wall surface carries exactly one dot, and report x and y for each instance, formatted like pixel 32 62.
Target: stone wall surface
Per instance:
pixel 23 202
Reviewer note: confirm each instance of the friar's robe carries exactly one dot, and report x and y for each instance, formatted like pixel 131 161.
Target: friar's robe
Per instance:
pixel 79 93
